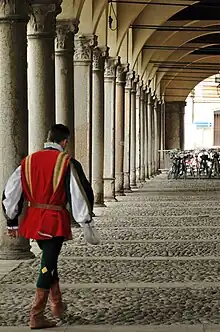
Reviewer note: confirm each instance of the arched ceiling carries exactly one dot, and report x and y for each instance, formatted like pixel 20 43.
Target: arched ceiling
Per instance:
pixel 162 40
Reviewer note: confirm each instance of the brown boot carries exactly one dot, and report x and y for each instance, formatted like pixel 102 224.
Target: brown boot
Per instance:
pixel 37 319
pixel 58 307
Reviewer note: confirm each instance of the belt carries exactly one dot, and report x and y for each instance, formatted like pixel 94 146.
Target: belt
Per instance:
pixel 46 206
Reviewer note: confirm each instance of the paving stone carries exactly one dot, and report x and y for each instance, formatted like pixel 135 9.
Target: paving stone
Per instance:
pixel 120 307
pixel 111 271
pixel 146 234
pixel 164 249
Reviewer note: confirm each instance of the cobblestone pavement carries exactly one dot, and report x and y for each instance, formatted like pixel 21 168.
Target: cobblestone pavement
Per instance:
pixel 158 263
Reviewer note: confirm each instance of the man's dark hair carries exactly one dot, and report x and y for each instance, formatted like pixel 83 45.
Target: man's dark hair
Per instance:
pixel 58 133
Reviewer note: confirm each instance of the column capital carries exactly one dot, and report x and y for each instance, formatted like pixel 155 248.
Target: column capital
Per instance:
pixel 134 84
pixel 14 10
pixel 121 72
pixel 99 54
pixel 139 88
pixel 65 29
pixel 43 18
pixel 110 66
pixel 83 47
pixel 129 79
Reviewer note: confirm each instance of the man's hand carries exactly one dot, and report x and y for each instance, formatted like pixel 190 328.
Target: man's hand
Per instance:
pixel 12 233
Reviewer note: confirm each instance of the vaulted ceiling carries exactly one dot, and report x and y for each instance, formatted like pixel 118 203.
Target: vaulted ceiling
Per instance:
pixel 171 44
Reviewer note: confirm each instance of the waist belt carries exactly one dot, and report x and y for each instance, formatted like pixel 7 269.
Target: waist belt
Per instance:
pixel 46 206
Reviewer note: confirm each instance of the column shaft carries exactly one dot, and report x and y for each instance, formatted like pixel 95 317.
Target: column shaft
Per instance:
pixel 109 129
pixel 133 134
pixel 162 156
pixel 149 134
pixel 119 128
pixel 138 142
pixel 41 72
pixel 64 76
pixel 155 138
pixel 159 134
pixel 145 137
pixel 83 99
pixel 127 128
pixel 142 135
pixel 13 111
pixel 174 125
pixel 98 125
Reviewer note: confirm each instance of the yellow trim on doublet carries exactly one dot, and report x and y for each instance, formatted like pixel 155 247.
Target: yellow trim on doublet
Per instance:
pixel 28 172
pixel 59 168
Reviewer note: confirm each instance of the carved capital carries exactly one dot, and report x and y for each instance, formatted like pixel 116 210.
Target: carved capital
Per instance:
pixel 83 47
pixel 43 19
pixel 14 9
pixel 121 73
pixel 65 29
pixel 97 62
pixel 129 79
pixel 139 88
pixel 110 66
pixel 99 54
pixel 134 84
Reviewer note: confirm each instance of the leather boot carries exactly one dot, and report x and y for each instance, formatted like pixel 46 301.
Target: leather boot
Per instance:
pixel 37 319
pixel 58 307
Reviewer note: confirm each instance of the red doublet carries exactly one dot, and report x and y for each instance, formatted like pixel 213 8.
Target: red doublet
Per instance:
pixel 43 181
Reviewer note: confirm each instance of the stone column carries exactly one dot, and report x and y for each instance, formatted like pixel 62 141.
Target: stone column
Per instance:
pixel 142 134
pixel 109 128
pixel 158 133
pixel 145 136
pixel 155 136
pixel 162 134
pixel 138 132
pixel 13 110
pixel 41 71
pixel 133 173
pixel 149 133
pixel 65 30
pixel 83 55
pixel 99 55
pixel 127 128
pixel 119 128
pixel 174 125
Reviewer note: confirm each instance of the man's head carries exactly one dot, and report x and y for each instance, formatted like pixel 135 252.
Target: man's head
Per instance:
pixel 59 134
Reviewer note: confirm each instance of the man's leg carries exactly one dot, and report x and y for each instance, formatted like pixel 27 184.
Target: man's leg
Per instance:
pixel 57 247
pixel 44 283
pixel 57 306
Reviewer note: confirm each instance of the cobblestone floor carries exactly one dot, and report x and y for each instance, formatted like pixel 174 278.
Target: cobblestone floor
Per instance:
pixel 158 263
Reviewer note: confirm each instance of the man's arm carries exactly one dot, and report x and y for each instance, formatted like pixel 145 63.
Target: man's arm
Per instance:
pixel 12 199
pixel 77 197
pixel 81 205
pixel 84 182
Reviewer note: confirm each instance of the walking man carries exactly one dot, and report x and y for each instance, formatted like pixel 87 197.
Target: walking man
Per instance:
pixel 48 180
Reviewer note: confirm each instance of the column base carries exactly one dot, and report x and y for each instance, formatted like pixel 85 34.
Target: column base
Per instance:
pixel 110 199
pixel 128 190
pixel 120 193
pixel 109 190
pixel 99 204
pixel 15 249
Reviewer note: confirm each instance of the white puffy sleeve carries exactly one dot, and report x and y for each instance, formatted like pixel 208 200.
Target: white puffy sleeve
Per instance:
pixel 81 209
pixel 12 200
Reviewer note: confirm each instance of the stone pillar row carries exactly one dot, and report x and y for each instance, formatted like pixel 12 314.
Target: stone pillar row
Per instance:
pixel 108 110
